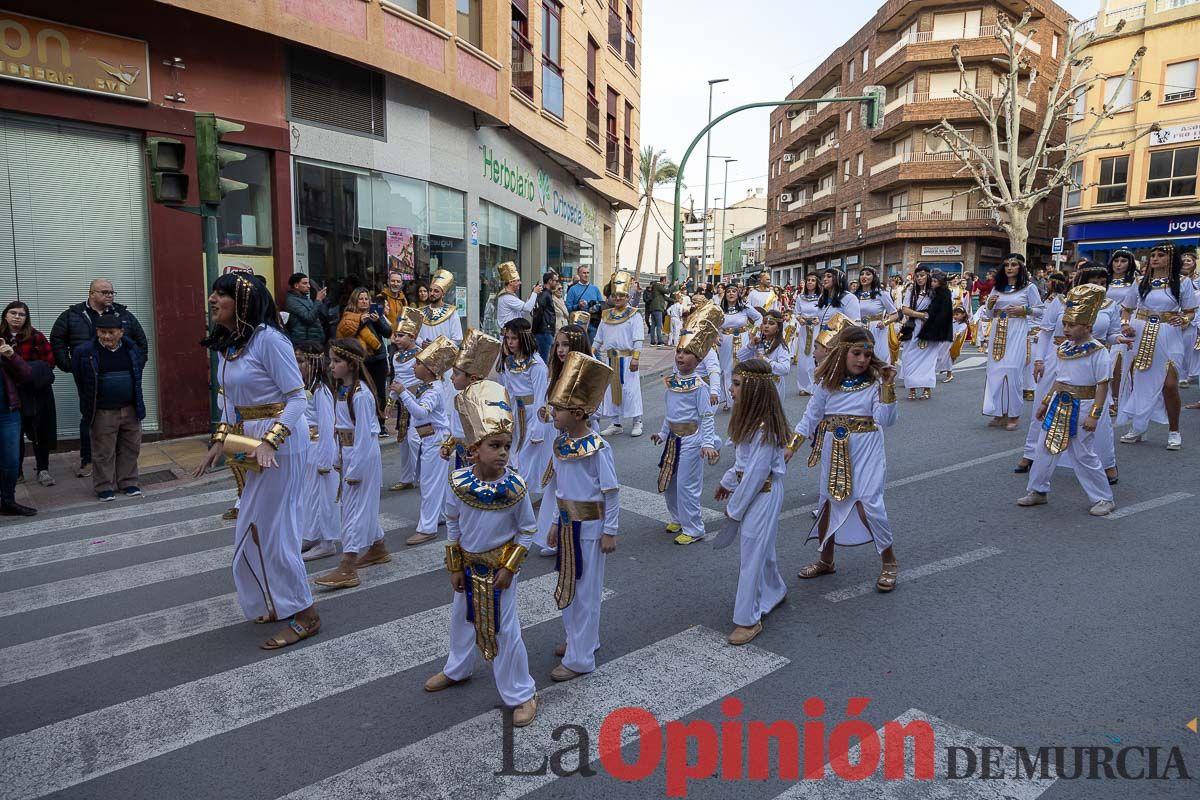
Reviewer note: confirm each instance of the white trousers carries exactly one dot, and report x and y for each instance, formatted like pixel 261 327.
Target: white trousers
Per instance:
pixel 581 619
pixel 434 487
pixel 687 484
pixel 1088 470
pixel 760 586
pixel 511 664
pixel 410 457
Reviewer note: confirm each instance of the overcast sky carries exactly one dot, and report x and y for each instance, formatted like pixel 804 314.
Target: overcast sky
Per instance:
pixel 762 47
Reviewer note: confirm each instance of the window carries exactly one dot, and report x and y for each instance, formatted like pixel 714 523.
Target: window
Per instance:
pixel 1114 179
pixel 849 120
pixel 1054 46
pixel 898 203
pixel 593 98
pixel 866 65
pixel 957 25
pixel 628 143
pixel 244 219
pixel 902 147
pixel 938 202
pixel 1074 185
pixel 845 170
pixel 1180 82
pixel 612 147
pixel 335 94
pixel 1172 173
pixel 470 21
pixel 936 144
pixel 499 241
pixel 418 7
pixel 850 72
pixel 906 89
pixel 522 49
pixel 823 226
pixel 1115 101
pixel 1081 104
pixel 845 219
pixel 859 163
pixel 552 76
pixel 630 41
pixel 614 25
pixel 828 138
pixel 857 214
pixel 943 85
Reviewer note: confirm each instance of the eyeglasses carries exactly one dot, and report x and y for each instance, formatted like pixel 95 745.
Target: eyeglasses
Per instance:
pixel 105 291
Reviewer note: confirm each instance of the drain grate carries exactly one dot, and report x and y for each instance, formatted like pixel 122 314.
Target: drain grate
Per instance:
pixel 158 476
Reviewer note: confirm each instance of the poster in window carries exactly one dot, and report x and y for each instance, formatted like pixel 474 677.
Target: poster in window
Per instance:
pixel 400 252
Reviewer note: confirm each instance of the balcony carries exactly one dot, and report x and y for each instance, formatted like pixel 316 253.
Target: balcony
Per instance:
pixel 924 108
pixel 821 194
pixel 975 215
pixel 522 65
pixel 802 199
pixel 801 119
pixel 1130 13
pixel 612 155
pixel 909 167
pixel 821 238
pixel 924 37
pixel 795 244
pixel 822 157
pixel 800 160
pixel 593 119
pixel 977 44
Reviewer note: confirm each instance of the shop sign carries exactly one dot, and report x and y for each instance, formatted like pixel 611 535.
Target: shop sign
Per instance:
pixel 538 189
pixel 991 252
pixel 941 250
pixel 66 57
pixel 1175 134
pixel 1179 225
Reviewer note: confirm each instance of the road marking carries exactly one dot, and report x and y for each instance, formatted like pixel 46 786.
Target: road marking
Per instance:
pixel 968 362
pixel 109 739
pixel 439 766
pixel 1146 505
pixel 654 506
pixel 32 598
pixel 102 543
pixel 858 590
pixel 121 510
pixel 946 736
pixel 923 476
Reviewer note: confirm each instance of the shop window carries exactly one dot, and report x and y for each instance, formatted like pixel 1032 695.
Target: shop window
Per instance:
pixel 470 21
pixel 1114 180
pixel 562 253
pixel 1172 173
pixel 499 241
pixel 1075 185
pixel 244 221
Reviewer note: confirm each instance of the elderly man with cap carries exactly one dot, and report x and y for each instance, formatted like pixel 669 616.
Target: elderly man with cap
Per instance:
pixel 441 318
pixel 509 305
pixel 108 373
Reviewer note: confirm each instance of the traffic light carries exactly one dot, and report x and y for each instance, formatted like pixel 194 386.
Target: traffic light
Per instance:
pixel 168 181
pixel 873 109
pixel 211 158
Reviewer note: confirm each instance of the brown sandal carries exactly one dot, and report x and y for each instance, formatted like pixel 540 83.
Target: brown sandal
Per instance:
pixel 1193 406
pixel 887 576
pixel 297 629
pixel 817 568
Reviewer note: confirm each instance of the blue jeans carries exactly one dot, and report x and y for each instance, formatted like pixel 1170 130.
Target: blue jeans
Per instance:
pixel 545 341
pixel 656 319
pixel 10 454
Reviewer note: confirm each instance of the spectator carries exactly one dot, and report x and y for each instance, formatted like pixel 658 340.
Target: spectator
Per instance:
pixel 545 315
pixel 509 304
pixel 39 421
pixel 361 321
pixel 561 315
pixel 392 298
pixel 304 315
pixel 16 373
pixel 583 296
pixel 1039 280
pixel 657 300
pixel 108 372
pixel 635 294
pixel 77 326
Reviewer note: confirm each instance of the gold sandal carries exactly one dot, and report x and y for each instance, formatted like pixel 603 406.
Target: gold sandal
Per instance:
pixel 912 394
pixel 887 576
pixel 817 568
pixel 926 394
pixel 297 627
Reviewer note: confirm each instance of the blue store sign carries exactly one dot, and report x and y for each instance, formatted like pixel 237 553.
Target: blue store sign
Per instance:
pixel 1160 227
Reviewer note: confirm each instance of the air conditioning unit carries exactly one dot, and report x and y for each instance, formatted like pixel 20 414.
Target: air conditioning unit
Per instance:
pixel 789 158
pixel 786 197
pixel 792 113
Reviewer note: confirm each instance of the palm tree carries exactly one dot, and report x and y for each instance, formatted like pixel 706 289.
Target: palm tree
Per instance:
pixel 654 170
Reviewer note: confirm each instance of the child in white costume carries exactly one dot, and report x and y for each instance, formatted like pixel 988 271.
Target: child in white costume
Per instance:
pixel 489 521
pixel 618 343
pixel 753 487
pixel 584 482
pixel 426 403
pixel 356 426
pixel 524 376
pixel 769 344
pixel 1072 409
pixel 675 315
pixel 404 337
pixel 688 436
pixel 323 519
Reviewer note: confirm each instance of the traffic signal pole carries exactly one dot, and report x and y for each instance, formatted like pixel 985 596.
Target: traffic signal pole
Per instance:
pixel 873 120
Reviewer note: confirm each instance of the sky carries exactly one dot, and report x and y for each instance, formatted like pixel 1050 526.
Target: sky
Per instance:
pixel 763 47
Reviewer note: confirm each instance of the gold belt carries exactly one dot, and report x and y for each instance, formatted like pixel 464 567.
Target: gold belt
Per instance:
pixel 999 338
pixel 314 433
pixel 425 430
pixel 403 420
pixel 1156 316
pixel 264 411
pixel 522 417
pixel 581 510
pixel 840 482
pixel 1076 392
pixel 482 597
pixel 1144 358
pixel 735 331
pixel 766 487
pixel 682 429
pixel 345 438
pixel 873 318
pixel 614 362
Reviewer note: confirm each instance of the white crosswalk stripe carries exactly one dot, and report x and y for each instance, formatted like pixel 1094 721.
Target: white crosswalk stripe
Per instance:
pixel 31 598
pixel 653 505
pixel 108 543
pixel 109 739
pixel 118 512
pixel 440 767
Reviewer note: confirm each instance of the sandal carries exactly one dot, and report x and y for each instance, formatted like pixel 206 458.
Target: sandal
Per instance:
pixel 1193 406
pixel 912 394
pixel 817 568
pixel 927 394
pixel 297 629
pixel 887 576
pixel 265 618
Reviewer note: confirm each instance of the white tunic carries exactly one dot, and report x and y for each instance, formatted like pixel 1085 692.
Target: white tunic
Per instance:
pixel 807 327
pixel 1145 401
pixel 687 401
pixel 1005 379
pixel 320 492
pixel 440 321
pixel 525 381
pixel 426 403
pixel 618 337
pixel 403 362
pixel 362 469
pixel 760 586
pixel 872 311
pixel 734 333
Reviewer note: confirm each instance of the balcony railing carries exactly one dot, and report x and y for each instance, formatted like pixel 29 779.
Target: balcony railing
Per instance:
pixel 522 65
pixel 957 215
pixel 821 238
pixel 802 119
pixel 800 200
pixel 612 161
pixel 795 244
pixel 1127 13
pixel 920 158
pixel 614 30
pixel 628 164
pixel 1089 25
pixel 822 194
pixel 921 37
pixel 825 148
pixel 835 92
pixel 593 119
pixel 800 161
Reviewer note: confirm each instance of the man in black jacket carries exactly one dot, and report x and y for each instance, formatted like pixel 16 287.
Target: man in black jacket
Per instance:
pixel 543 318
pixel 76 326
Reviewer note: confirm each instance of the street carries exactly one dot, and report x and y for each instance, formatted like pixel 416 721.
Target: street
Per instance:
pixel 128 671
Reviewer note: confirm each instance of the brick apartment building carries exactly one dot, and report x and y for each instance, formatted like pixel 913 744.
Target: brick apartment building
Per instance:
pixel 844 196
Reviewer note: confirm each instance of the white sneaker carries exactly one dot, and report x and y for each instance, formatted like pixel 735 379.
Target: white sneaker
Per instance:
pixel 1103 508
pixel 611 430
pixel 322 550
pixel 1032 499
pixel 1174 440
pixel 45 478
pixel 1133 437
pixel 637 429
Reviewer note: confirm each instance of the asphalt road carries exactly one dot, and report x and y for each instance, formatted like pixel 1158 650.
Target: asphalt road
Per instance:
pixel 126 670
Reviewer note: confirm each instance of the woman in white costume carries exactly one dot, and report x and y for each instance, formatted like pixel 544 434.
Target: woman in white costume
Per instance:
pixel 928 308
pixel 876 311
pixel 855 399
pixel 523 375
pixel 736 327
pixel 1122 280
pixel 1157 314
pixel 323 527
pixel 1009 307
pixel 263 427
pixel 835 298
pixel 807 327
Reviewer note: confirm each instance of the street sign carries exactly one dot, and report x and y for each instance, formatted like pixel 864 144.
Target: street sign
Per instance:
pixel 1056 246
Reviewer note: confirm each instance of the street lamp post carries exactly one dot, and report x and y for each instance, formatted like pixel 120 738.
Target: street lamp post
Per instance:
pixel 707 156
pixel 724 207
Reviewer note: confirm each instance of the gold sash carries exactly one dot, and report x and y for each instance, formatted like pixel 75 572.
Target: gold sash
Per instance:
pixel 569 512
pixel 999 338
pixel 614 362
pixel 264 411
pixel 483 568
pixel 1145 350
pixel 840 482
pixel 522 418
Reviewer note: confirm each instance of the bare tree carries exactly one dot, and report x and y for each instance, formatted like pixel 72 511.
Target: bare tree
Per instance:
pixel 1009 183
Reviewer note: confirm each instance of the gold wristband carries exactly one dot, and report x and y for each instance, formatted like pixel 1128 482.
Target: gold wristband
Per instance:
pixel 218 437
pixel 637 355
pixel 1096 412
pixel 276 435
pixel 887 392
pixel 794 443
pixel 454 557
pixel 512 557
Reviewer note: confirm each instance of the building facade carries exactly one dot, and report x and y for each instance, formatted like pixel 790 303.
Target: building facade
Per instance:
pixel 411 135
pixel 731 220
pixel 844 196
pixel 1146 192
pixel 743 254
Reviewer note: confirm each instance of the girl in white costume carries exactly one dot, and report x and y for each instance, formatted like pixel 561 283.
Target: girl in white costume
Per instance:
pixel 1009 307
pixel 1122 280
pixel 1157 314
pixel 753 489
pixel 768 343
pixel 1191 337
pixel 323 528
pixel 835 298
pixel 928 306
pixel 807 328
pixel 523 374
pixel 619 344
pixel 356 423
pixel 404 338
pixel 736 327
pixel 263 422
pixel 675 316
pixel 427 404
pixel 855 399
pixel 876 311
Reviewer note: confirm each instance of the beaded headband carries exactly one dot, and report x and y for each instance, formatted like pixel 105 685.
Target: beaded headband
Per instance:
pixel 756 376
pixel 1165 247
pixel 345 354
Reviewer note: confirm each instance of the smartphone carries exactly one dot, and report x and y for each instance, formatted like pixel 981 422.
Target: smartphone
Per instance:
pixel 376 308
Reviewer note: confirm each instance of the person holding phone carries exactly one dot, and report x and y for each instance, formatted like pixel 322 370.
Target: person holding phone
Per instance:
pixel 304 320
pixel 364 321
